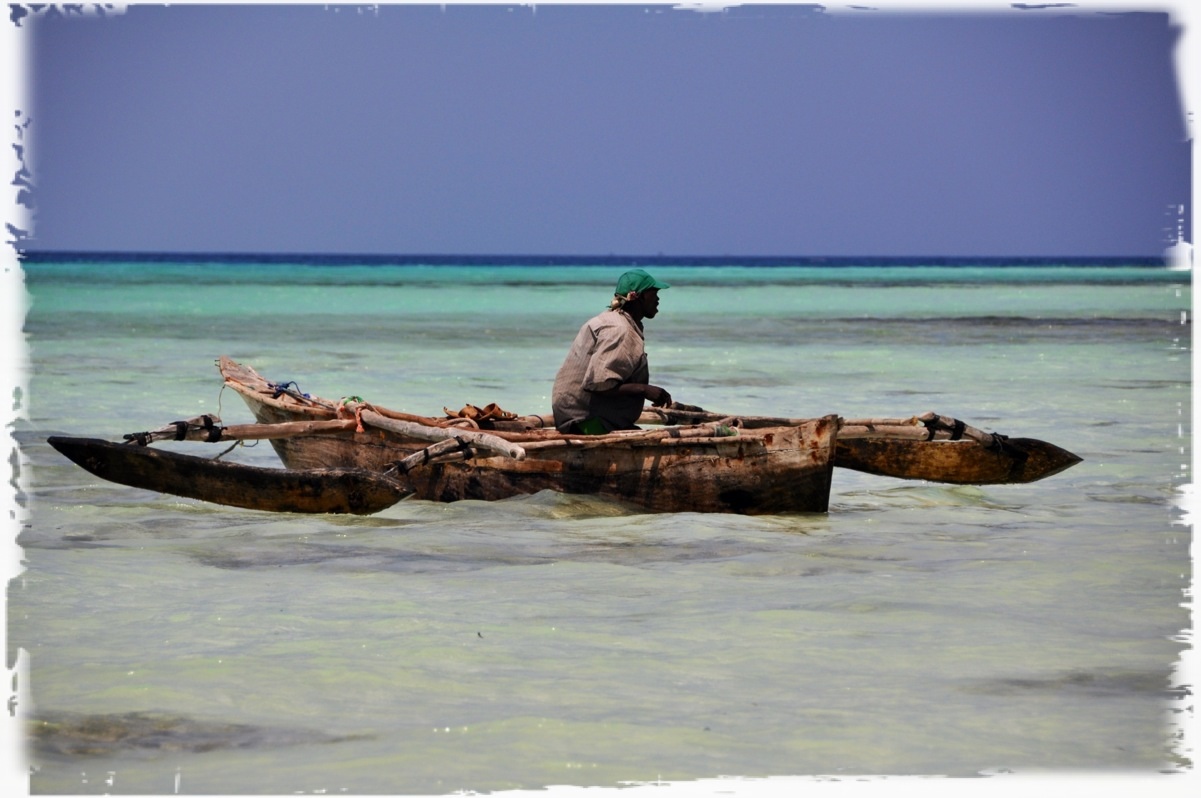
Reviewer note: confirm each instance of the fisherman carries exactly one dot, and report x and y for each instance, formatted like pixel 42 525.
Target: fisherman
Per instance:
pixel 604 381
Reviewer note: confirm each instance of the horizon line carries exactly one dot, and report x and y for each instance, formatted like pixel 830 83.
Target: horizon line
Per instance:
pixel 366 258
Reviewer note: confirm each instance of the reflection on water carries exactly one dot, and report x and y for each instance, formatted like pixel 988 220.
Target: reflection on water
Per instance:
pixel 1099 683
pixel 74 734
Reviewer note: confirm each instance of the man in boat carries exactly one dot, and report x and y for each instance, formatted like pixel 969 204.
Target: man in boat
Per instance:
pixel 605 380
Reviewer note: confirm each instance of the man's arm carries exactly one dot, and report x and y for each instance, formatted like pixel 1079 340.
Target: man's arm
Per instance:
pixel 657 396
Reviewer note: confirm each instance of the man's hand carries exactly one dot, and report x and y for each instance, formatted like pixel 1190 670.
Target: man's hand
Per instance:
pixel 658 396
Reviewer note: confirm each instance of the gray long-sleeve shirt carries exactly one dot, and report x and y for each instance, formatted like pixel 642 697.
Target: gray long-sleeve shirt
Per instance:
pixel 607 352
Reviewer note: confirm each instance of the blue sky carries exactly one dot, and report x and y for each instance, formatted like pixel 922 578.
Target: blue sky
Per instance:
pixel 759 130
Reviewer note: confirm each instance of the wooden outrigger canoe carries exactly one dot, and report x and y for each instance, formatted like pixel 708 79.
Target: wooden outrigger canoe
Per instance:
pixel 367 457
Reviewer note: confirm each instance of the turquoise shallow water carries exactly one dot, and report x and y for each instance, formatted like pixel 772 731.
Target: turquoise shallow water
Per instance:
pixel 915 629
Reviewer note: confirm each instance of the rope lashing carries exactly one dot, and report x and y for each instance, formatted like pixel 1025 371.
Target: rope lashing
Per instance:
pixel 465 448
pixel 445 450
pixel 180 431
pixel 290 387
pixel 994 441
pixel 232 446
pixel 345 406
pixel 937 423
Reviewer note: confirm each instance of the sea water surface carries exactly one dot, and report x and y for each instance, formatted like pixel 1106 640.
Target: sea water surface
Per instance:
pixel 920 629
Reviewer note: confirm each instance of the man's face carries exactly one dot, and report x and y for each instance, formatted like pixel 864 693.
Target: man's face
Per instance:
pixel 650 302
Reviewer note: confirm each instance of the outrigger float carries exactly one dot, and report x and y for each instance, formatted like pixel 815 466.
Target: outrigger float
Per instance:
pixel 352 456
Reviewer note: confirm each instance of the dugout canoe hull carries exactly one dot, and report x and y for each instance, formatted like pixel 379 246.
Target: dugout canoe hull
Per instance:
pixel 323 490
pixel 963 462
pixel 761 471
